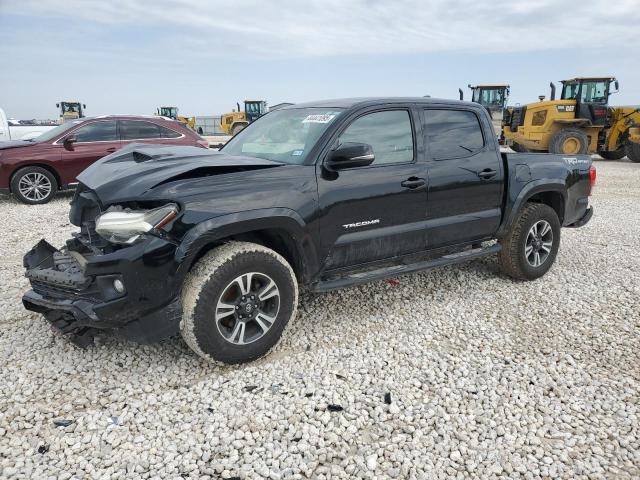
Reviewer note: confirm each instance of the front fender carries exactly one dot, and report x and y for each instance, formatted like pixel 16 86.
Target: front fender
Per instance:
pixel 224 226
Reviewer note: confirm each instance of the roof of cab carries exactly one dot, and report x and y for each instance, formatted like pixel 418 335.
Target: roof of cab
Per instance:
pixel 577 79
pixel 372 101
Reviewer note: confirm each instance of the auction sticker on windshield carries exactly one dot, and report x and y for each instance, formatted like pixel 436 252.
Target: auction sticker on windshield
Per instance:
pixel 323 118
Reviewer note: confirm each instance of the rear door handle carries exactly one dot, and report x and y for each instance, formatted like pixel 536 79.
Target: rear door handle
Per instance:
pixel 487 173
pixel 413 182
pixel 111 150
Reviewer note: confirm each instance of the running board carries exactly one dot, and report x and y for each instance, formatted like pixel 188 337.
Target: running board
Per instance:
pixel 396 270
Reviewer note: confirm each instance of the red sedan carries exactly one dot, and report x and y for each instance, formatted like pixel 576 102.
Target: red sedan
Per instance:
pixel 33 171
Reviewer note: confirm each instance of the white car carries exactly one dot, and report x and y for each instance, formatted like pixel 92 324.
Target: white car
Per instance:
pixel 12 130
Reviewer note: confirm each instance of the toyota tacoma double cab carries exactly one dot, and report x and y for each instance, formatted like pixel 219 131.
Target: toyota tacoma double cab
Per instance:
pixel 324 195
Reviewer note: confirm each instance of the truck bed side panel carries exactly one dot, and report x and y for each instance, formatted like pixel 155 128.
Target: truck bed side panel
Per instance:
pixel 531 174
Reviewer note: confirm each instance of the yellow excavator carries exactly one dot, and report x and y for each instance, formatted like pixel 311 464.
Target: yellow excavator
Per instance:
pixel 172 112
pixel 70 110
pixel 581 121
pixel 235 121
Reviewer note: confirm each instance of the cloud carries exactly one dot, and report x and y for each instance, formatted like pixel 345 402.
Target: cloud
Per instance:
pixel 293 28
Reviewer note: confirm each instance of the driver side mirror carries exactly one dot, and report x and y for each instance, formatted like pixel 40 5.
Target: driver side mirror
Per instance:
pixel 350 155
pixel 69 141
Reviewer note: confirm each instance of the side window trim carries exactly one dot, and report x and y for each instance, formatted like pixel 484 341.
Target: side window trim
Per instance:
pixel 391 108
pixel 159 127
pixel 427 144
pixel 60 141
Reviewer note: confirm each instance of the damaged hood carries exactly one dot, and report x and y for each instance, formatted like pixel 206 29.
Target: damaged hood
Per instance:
pixel 136 169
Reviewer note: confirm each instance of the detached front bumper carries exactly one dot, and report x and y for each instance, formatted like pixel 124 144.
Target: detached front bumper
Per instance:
pixel 79 294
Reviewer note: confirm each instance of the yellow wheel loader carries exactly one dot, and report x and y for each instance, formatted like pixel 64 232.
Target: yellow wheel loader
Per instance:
pixel 235 121
pixel 493 97
pixel 580 122
pixel 70 110
pixel 623 135
pixel 172 112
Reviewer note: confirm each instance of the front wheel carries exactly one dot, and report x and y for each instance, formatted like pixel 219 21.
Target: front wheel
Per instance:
pixel 531 245
pixel 34 185
pixel 236 302
pixel 633 152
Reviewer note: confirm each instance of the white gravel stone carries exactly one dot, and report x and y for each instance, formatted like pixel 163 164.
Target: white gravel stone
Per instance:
pixel 489 377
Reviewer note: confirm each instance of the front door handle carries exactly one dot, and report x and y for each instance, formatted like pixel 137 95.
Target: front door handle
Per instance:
pixel 487 173
pixel 111 150
pixel 413 182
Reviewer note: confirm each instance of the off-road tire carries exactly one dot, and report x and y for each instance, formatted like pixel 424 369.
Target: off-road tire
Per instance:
pixel 561 136
pixel 238 128
pixel 35 172
pixel 633 152
pixel 516 147
pixel 206 283
pixel 512 258
pixel 613 154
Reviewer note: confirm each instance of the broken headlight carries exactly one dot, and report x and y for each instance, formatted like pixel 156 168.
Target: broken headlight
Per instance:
pixel 126 226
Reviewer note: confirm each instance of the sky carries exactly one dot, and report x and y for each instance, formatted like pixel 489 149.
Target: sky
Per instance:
pixel 131 56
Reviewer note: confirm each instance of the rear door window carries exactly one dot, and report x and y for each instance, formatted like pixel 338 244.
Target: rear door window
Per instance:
pixel 452 133
pixel 137 130
pixel 389 133
pixel 168 133
pixel 104 131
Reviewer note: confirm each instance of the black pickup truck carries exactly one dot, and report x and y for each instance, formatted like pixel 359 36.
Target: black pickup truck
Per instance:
pixel 323 195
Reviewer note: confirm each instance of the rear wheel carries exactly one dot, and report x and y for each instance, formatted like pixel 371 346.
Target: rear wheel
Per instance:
pixel 569 141
pixel 531 245
pixel 613 154
pixel 34 185
pixel 238 128
pixel 236 302
pixel 633 152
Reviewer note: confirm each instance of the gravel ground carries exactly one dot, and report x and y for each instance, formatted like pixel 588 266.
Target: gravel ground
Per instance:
pixel 453 373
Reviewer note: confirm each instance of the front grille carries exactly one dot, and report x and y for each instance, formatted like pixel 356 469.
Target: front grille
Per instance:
pixel 61 269
pixel 63 292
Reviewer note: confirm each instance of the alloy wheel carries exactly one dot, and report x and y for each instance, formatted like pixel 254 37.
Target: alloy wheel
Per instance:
pixel 247 308
pixel 34 186
pixel 539 243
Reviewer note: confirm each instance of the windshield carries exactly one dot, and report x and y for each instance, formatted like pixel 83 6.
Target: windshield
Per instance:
pixel 593 91
pixel 284 136
pixel 71 107
pixel 490 97
pixel 54 132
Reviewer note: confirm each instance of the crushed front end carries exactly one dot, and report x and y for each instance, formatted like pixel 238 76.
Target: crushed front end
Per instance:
pixel 92 284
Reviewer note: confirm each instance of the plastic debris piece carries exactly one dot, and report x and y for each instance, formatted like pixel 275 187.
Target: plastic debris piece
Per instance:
pixel 62 423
